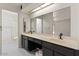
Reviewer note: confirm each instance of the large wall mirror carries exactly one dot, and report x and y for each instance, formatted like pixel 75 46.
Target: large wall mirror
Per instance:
pixel 53 23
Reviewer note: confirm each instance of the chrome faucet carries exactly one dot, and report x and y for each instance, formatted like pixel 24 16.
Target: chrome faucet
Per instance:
pixel 60 35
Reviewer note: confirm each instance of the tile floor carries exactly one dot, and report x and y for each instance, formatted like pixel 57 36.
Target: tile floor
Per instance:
pixel 10 48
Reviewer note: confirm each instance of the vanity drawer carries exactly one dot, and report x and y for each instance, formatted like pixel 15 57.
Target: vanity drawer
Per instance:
pixel 61 49
pixel 47 45
pixel 76 52
pixel 47 52
pixel 24 37
pixel 31 39
pixel 38 41
pixel 35 40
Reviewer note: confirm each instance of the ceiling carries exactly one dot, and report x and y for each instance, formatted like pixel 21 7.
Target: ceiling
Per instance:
pixel 26 7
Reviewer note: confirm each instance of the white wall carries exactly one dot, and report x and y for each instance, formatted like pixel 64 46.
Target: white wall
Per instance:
pixel 75 20
pixel 25 17
pixel 0 31
pixel 20 27
pixel 9 7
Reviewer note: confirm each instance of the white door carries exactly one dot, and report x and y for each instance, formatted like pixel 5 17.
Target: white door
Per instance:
pixel 38 25
pixel 9 25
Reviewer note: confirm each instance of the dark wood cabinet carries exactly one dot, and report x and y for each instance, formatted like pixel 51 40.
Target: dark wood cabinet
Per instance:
pixel 76 52
pixel 64 51
pixel 26 44
pixel 37 41
pixel 49 49
pixel 57 54
pixel 34 43
pixel 31 45
pixel 22 42
pixel 47 52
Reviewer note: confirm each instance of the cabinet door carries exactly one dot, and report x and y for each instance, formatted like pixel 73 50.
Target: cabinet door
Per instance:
pixel 37 41
pixel 47 52
pixel 31 45
pixel 57 54
pixel 26 44
pixel 23 43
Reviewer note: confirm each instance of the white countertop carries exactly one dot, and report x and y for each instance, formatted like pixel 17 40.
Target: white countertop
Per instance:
pixel 67 41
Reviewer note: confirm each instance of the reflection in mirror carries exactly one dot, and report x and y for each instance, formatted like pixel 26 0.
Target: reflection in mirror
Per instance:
pixel 33 25
pixel 24 25
pixel 38 25
pixel 43 24
pixel 62 21
pixel 48 23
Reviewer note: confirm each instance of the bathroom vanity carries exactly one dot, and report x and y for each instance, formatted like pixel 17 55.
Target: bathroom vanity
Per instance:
pixel 50 45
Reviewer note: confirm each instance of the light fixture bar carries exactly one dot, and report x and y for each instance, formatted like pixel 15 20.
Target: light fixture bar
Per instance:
pixel 42 6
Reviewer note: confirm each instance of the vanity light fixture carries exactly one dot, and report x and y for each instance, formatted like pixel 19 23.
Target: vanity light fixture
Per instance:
pixel 42 6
